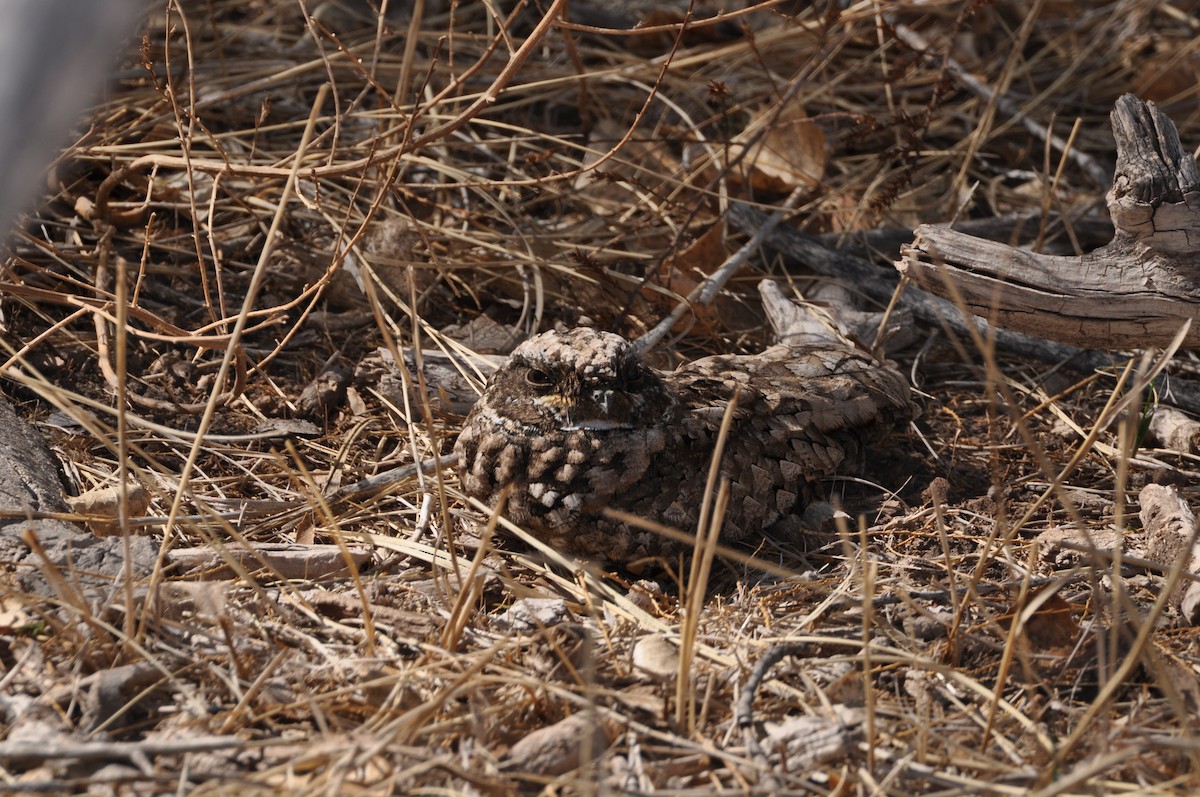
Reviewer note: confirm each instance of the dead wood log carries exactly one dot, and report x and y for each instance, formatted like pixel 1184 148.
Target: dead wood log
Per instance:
pixel 1136 291
pixel 1089 231
pixel 1171 536
pixel 286 560
pixel 806 253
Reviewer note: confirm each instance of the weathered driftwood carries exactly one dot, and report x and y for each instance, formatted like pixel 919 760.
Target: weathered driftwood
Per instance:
pixel 1136 291
pixel 802 251
pixel 1171 535
pixel 1089 231
pixel 287 560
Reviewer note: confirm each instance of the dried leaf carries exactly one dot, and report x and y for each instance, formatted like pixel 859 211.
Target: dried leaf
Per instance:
pixel 559 748
pixel 640 166
pixel 656 657
pixel 102 506
pixel 790 154
pixel 1165 67
pixel 12 614
pixel 1052 626
pixel 690 267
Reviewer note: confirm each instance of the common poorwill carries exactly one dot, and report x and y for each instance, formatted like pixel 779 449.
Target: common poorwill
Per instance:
pixel 576 422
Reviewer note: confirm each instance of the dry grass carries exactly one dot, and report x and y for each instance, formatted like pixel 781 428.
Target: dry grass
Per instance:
pixel 262 196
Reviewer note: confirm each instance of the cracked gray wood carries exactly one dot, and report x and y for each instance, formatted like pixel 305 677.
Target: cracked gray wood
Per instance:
pixel 1136 291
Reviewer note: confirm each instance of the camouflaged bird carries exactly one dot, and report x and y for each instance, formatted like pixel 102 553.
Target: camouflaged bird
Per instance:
pixel 575 422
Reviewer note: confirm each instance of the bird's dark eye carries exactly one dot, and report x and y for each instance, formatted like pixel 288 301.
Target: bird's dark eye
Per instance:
pixel 538 378
pixel 635 377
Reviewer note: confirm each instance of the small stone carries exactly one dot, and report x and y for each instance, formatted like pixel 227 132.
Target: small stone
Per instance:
pixel 533 614
pixel 656 657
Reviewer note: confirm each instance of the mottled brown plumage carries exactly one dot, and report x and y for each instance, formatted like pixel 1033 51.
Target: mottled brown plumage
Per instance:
pixel 576 422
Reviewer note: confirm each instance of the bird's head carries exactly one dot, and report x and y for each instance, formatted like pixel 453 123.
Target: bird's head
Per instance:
pixel 580 379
